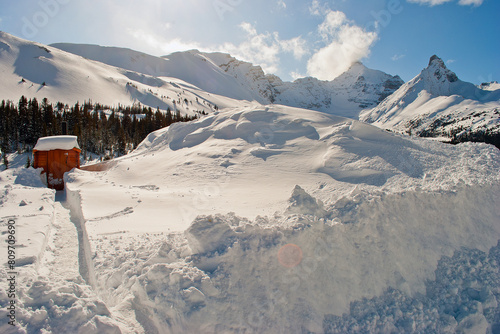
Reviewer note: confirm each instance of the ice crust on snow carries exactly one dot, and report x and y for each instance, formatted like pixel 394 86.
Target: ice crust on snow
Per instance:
pixel 56 143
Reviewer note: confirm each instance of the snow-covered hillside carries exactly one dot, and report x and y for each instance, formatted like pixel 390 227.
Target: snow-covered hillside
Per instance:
pixel 437 104
pixel 35 70
pixel 191 66
pixel 267 219
pixel 220 73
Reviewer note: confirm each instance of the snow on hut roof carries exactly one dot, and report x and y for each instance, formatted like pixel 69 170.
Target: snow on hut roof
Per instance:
pixel 56 143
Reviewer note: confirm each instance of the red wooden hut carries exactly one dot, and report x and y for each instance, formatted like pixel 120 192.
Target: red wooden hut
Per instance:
pixel 56 155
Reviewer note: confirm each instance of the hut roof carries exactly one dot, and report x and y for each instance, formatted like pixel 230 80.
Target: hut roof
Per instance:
pixel 56 143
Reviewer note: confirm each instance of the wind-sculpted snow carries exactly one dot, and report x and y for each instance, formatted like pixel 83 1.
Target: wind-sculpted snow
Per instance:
pixel 252 126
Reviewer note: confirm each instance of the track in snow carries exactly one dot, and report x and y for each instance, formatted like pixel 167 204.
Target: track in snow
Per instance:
pixel 61 258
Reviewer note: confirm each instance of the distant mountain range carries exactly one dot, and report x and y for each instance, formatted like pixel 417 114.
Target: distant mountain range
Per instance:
pixel 433 104
pixel 347 95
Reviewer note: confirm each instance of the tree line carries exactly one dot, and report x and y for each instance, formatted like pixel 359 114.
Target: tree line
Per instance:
pixel 109 135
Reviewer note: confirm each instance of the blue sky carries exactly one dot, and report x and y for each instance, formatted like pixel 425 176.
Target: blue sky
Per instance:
pixel 290 38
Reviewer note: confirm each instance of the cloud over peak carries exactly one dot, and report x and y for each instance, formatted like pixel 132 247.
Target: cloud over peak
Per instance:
pixel 346 44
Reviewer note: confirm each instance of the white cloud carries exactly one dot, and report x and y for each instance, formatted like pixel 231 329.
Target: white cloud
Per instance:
pixel 450 61
pixel 157 43
pixel 264 48
pixel 347 43
pixel 429 2
pixel 296 45
pixel 248 28
pixel 297 75
pixel 261 49
pixel 316 8
pixel 471 2
pixel 397 57
pixel 333 21
pixel 282 4
pixel 440 2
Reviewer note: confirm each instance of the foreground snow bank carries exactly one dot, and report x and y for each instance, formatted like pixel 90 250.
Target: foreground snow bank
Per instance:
pixel 297 273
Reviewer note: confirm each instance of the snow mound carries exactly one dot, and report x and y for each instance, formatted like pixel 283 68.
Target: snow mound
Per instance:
pixel 205 164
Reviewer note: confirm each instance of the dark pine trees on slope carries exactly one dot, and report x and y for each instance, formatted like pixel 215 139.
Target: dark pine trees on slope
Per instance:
pixel 21 125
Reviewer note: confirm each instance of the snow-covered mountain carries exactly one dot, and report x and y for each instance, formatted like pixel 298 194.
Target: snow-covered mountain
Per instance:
pixel 436 103
pixel 40 71
pixel 347 95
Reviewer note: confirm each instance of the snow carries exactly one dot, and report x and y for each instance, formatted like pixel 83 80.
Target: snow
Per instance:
pixel 56 143
pixel 222 74
pixel 195 232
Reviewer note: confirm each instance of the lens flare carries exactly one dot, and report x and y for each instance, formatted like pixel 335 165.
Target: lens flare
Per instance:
pixel 290 255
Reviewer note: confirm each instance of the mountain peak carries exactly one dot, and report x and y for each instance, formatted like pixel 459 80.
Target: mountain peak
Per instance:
pixel 440 71
pixel 436 60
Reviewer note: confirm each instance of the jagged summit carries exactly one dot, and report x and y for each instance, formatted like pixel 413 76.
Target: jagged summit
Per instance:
pixel 436 59
pixel 440 70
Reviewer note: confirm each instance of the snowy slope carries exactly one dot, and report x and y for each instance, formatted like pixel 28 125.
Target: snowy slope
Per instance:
pixel 438 104
pixel 35 70
pixel 275 219
pixel 222 74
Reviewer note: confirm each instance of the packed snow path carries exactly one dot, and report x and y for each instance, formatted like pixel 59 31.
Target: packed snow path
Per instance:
pixel 61 256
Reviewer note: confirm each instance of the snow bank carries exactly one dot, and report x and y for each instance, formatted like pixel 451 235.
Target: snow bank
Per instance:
pixel 27 202
pixel 373 270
